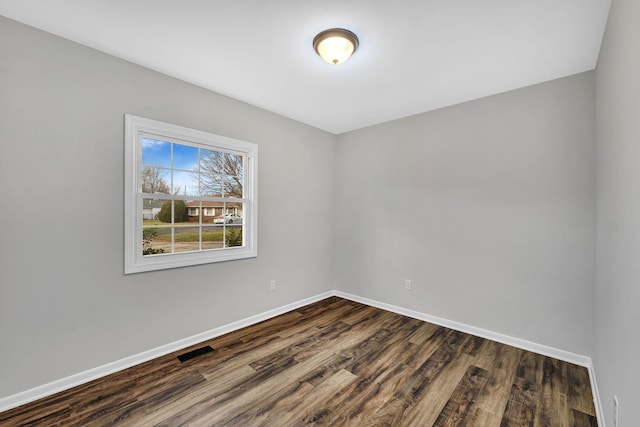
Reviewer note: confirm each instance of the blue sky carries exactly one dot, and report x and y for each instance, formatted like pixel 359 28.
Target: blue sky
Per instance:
pixel 158 153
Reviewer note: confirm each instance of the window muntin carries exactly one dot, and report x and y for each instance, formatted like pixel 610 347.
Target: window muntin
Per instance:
pixel 194 180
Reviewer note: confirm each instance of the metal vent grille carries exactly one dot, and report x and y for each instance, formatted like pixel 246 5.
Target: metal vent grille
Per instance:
pixel 195 353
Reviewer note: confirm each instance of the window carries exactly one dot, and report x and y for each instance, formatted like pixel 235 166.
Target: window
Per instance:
pixel 186 176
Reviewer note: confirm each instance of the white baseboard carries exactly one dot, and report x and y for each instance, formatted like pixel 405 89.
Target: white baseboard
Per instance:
pixel 62 384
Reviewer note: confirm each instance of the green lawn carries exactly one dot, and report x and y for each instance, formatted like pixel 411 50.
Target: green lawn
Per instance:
pixel 207 236
pixel 193 236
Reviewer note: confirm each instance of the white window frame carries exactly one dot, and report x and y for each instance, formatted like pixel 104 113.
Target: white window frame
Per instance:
pixel 137 127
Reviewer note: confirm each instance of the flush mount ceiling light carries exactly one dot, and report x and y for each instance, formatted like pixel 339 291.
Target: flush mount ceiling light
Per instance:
pixel 335 45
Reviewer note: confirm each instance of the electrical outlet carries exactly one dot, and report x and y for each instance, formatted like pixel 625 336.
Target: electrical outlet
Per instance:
pixel 272 285
pixel 407 284
pixel 615 411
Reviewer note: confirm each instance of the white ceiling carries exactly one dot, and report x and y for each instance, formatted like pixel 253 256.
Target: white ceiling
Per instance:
pixel 414 55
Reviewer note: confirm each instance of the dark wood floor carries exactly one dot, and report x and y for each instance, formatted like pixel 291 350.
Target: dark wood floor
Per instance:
pixel 332 363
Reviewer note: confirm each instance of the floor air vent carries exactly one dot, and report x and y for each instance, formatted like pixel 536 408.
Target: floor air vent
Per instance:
pixel 195 353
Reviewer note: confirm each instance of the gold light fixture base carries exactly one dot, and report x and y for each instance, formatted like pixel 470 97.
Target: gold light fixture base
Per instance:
pixel 335 45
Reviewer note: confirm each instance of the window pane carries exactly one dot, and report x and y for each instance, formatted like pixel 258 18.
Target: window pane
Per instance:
pixel 185 157
pixel 238 161
pixel 181 212
pixel 211 184
pixel 221 173
pixel 205 154
pixel 211 212
pixel 233 235
pixel 151 241
pixel 230 186
pixel 234 174
pixel 185 183
pixel 186 238
pixel 155 180
pixel 156 234
pixel 236 210
pixel 150 210
pixel 156 212
pixel 156 153
pixel 212 237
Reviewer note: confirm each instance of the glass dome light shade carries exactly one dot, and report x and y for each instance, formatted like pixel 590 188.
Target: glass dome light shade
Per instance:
pixel 335 45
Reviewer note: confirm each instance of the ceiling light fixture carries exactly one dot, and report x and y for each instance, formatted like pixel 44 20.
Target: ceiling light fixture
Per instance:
pixel 335 45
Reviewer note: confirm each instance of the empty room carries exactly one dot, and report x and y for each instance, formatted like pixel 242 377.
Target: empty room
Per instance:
pixel 355 213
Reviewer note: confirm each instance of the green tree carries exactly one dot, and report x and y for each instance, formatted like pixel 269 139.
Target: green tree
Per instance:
pixel 180 211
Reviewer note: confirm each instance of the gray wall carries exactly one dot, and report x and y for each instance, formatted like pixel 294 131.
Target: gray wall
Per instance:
pixel 65 305
pixel 487 206
pixel 617 315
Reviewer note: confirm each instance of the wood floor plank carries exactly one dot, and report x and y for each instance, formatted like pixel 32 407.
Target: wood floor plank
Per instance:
pixel 531 367
pixel 377 381
pixel 460 406
pixel 321 320
pixel 332 363
pixel 370 362
pixel 218 407
pixel 501 367
pixel 231 401
pixel 423 333
pixel 553 408
pixel 358 314
pixel 483 418
pixel 309 408
pixel 41 413
pixel 306 339
pixel 159 414
pixel 373 394
pixel 522 407
pixel 579 389
pixel 580 419
pixel 413 389
pixel 353 336
pixel 264 330
pixel 425 411
pixel 473 345
pixel 141 408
